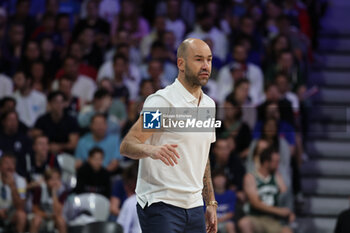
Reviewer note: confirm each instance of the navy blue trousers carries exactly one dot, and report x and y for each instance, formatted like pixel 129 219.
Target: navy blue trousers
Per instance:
pixel 164 218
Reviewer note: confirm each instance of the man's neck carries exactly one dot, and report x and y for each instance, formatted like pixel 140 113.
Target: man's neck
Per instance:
pixel 263 172
pixel 25 91
pixel 194 90
pixel 97 138
pixel 56 117
pixel 220 190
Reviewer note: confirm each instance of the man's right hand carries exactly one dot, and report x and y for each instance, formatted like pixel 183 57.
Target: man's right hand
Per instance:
pixel 167 153
pixel 3 214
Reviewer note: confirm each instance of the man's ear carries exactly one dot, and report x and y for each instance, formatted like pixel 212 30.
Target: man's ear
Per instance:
pixel 181 64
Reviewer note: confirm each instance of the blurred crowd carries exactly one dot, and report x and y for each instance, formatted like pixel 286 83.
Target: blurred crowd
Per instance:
pixel 74 75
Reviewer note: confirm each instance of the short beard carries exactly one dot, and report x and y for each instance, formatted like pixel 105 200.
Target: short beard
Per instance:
pixel 193 79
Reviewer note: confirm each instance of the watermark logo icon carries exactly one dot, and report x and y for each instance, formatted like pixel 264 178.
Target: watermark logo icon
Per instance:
pixel 152 119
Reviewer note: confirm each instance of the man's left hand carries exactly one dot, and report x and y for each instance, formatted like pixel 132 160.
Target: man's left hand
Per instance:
pixel 211 219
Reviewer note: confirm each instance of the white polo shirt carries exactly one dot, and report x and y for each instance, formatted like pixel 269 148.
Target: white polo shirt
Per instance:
pixel 182 184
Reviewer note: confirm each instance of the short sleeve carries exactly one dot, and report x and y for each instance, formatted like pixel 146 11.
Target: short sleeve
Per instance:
pixel 21 187
pixel 156 102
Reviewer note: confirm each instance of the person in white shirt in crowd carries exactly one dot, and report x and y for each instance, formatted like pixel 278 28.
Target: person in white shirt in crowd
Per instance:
pixel 205 28
pixel 48 202
pixel 253 73
pixel 83 86
pixel 122 73
pixel 156 33
pixel 173 21
pixel 160 52
pixel 13 194
pixel 6 86
pixel 128 218
pixel 30 103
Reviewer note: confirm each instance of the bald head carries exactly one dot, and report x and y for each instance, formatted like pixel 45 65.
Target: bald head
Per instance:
pixel 190 43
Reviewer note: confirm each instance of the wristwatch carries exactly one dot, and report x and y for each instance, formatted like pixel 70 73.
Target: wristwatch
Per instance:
pixel 212 203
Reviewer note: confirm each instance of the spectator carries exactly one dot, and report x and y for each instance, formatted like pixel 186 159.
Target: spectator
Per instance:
pixel 224 158
pixel 92 177
pixel 22 16
pixel 8 104
pixel 38 162
pixel 101 104
pixel 109 143
pixel 73 103
pixel 283 86
pixel 233 126
pixel 47 29
pixel 37 72
pixel 154 35
pixel 286 64
pixel 13 140
pixel 31 54
pixel 252 72
pixel 13 194
pixel 50 57
pixel 12 48
pixel 48 202
pixel 91 54
pixel 6 85
pixel 226 203
pixel 240 94
pixel 159 52
pixel 173 21
pixel 130 20
pixel 205 28
pixel 128 214
pixel 61 129
pixel 92 20
pixel 131 74
pixel 263 188
pixel 83 86
pixel 270 135
pixel 31 104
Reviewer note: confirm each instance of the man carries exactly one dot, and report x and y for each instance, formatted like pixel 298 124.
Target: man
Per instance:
pixel 48 202
pixel 39 162
pixel 92 177
pixel 13 140
pixel 61 129
pixel 263 189
pixel 253 73
pixel 30 103
pixel 83 86
pixel 174 168
pixel 13 194
pixel 99 137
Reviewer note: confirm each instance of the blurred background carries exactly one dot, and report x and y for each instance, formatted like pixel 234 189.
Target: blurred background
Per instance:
pixel 74 75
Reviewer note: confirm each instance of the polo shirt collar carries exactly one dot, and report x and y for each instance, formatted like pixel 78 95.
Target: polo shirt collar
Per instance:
pixel 185 93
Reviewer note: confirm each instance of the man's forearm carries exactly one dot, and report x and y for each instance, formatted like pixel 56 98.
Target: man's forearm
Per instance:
pixel 17 201
pixel 208 191
pixel 134 149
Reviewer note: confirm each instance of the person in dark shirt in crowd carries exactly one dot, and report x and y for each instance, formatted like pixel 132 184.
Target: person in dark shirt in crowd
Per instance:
pixel 12 48
pixel 232 125
pixel 223 157
pixel 92 20
pixel 92 177
pixel 38 162
pixel 61 129
pixel 12 140
pixel 226 199
pixel 8 104
pixel 73 103
pixel 48 202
